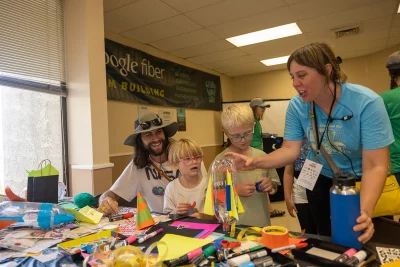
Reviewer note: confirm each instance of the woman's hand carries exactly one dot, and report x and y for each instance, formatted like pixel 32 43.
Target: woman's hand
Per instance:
pixel 242 162
pixel 364 223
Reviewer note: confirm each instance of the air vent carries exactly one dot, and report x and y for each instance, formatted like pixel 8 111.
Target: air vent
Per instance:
pixel 348 31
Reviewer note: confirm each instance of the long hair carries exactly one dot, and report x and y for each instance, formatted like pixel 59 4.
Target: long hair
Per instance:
pixel 141 158
pixel 394 74
pixel 316 56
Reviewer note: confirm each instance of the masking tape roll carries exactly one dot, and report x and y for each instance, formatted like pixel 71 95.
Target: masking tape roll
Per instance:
pixel 274 237
pixel 111 227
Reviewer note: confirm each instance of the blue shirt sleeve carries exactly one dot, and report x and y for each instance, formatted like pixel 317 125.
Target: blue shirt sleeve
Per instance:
pixel 293 128
pixel 376 130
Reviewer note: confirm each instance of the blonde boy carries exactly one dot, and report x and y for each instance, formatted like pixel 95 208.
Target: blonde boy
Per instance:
pixel 186 195
pixel 238 125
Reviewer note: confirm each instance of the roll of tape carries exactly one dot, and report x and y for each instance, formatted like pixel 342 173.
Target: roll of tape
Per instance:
pixel 274 237
pixel 111 227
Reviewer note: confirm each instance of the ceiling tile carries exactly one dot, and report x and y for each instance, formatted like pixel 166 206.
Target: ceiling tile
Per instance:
pixel 185 40
pixel 310 9
pixel 347 18
pixel 163 29
pixel 231 10
pixel 232 53
pixel 269 19
pixel 189 5
pixel 109 5
pixel 203 49
pixel 341 5
pixel 137 14
pixel 231 62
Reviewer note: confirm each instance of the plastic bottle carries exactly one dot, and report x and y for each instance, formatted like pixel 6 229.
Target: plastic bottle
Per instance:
pixel 345 209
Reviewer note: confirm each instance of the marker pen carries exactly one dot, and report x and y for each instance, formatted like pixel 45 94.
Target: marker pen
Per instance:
pixel 260 262
pixel 146 237
pixel 184 259
pixel 299 245
pixel 247 257
pixel 357 258
pixel 347 255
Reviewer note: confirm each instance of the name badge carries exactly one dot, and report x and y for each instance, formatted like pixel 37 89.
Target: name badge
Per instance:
pixel 309 174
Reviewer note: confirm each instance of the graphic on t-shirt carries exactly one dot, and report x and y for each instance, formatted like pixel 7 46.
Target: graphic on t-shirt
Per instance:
pixel 336 137
pixel 158 191
pixel 153 173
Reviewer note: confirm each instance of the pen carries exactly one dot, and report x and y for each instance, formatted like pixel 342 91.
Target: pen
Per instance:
pixel 300 245
pixel 184 259
pixel 131 239
pixel 121 216
pixel 246 251
pixel 146 237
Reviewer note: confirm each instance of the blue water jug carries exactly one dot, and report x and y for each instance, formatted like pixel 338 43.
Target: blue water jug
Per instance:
pixel 345 209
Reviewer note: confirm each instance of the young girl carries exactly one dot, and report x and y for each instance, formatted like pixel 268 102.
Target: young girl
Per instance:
pixel 237 123
pixel 186 195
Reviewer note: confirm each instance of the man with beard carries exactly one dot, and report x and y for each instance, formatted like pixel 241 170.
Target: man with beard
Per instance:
pixel 149 172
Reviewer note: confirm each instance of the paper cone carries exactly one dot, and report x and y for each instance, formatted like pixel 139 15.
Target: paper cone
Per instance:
pixel 208 205
pixel 143 216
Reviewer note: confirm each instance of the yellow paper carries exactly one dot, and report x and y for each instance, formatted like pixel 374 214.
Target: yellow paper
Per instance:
pixel 208 205
pixel 392 264
pixel 86 214
pixel 175 247
pixel 86 239
pixel 236 206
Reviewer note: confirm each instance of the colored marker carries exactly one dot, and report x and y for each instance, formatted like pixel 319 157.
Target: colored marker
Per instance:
pixel 146 237
pixel 131 239
pixel 347 255
pixel 246 251
pixel 184 259
pixel 260 262
pixel 247 257
pixel 120 217
pixel 207 252
pixel 357 258
pixel 300 245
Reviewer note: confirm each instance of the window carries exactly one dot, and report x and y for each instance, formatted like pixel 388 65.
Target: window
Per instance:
pixel 32 89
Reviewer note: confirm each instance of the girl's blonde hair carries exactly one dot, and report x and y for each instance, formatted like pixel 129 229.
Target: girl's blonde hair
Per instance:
pixel 237 115
pixel 183 148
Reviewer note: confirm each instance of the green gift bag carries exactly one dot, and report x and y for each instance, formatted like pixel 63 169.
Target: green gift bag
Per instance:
pixel 43 183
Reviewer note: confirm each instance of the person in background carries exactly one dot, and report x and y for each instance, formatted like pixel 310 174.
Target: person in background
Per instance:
pixel 238 124
pixel 187 194
pixel 149 172
pixel 356 136
pixel 391 99
pixel 258 106
pixel 295 195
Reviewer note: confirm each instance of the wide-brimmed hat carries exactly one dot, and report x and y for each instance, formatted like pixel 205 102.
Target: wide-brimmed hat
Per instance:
pixel 148 122
pixel 393 62
pixel 258 102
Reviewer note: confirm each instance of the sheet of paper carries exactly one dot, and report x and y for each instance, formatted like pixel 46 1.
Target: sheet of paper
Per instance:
pixel 47 255
pixel 208 228
pixel 323 253
pixel 214 236
pixel 309 174
pixel 387 255
pixel 175 248
pixel 42 245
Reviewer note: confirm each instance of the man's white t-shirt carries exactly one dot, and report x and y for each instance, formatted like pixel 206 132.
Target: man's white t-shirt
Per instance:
pixel 148 181
pixel 175 193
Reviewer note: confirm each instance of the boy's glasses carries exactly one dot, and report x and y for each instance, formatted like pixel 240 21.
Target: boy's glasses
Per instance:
pixel 238 138
pixel 147 124
pixel 188 160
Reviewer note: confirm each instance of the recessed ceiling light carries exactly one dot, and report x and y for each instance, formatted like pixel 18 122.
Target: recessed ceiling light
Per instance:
pixel 265 35
pixel 275 61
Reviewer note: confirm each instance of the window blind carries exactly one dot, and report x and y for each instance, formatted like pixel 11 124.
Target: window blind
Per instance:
pixel 32 52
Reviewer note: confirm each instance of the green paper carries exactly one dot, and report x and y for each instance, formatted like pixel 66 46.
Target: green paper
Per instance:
pixel 69 206
pixel 46 171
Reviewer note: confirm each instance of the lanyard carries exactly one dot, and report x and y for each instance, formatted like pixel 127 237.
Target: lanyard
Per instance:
pixel 328 121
